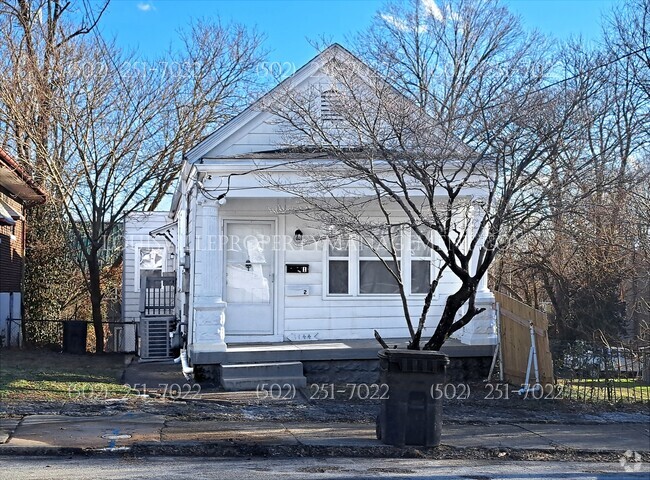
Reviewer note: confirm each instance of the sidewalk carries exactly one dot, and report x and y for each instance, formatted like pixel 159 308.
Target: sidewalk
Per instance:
pixel 142 433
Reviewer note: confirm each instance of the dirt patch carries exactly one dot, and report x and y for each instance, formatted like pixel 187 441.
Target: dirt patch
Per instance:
pixel 93 385
pixel 245 406
pixel 381 451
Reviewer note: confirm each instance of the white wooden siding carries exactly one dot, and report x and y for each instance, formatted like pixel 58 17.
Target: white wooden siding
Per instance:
pixel 261 137
pixel 317 315
pixel 136 234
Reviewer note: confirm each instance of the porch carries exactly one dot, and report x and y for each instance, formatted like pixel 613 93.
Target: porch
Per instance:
pixel 288 351
pixel 244 367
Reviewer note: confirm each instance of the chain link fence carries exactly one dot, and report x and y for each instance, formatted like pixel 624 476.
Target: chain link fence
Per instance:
pixel 49 334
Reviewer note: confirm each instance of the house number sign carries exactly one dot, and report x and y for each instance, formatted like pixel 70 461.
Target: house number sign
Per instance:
pixel 297 268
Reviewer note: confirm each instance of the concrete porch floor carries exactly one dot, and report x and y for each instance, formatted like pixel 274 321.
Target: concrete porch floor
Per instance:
pixel 365 349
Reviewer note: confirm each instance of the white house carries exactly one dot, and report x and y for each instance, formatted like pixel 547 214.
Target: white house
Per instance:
pixel 248 273
pixel 149 250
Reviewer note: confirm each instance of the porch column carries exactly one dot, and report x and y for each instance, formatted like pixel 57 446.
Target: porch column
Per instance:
pixel 482 329
pixel 209 315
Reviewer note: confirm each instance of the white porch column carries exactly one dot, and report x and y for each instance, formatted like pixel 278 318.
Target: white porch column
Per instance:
pixel 482 329
pixel 209 314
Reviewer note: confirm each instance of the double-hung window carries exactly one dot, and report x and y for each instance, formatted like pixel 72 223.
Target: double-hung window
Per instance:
pixel 356 269
pixel 421 262
pixel 339 267
pixel 377 268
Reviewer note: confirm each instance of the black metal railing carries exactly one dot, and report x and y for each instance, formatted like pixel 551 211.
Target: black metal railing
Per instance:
pixel 603 372
pixel 159 296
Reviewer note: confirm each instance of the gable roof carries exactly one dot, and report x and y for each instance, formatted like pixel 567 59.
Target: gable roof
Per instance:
pixel 253 111
pixel 18 182
pixel 310 68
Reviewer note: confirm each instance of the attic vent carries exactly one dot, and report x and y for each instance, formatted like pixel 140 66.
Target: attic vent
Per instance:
pixel 328 108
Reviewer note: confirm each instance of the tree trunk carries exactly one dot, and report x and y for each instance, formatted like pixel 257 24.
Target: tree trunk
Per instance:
pixel 452 305
pixel 95 287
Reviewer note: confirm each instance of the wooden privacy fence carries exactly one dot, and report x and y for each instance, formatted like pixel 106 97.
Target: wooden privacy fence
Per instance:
pixel 514 332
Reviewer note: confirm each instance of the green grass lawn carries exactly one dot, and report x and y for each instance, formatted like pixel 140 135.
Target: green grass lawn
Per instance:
pixel 40 375
pixel 612 390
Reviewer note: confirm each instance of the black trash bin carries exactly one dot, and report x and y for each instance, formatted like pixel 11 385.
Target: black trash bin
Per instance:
pixel 75 333
pixel 412 413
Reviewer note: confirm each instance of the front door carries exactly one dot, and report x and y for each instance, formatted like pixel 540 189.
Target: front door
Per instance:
pixel 249 260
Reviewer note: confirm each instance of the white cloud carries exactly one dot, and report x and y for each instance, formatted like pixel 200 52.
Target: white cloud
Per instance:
pixel 396 22
pixel 400 24
pixel 146 6
pixel 431 8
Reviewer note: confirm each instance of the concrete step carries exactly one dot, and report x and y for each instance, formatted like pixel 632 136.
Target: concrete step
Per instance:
pixel 253 376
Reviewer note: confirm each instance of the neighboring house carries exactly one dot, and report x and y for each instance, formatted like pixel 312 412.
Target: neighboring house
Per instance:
pixel 17 192
pixel 149 250
pixel 247 273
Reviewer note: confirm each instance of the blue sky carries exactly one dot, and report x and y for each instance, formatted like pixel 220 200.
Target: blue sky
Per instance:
pixel 150 25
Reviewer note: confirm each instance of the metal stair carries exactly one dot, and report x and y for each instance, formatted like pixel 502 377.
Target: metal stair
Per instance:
pixel 253 376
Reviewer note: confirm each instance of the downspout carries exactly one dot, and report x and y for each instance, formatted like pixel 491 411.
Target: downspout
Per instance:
pixel 23 268
pixel 187 370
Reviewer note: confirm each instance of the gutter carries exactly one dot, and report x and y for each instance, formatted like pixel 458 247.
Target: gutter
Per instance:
pixel 23 175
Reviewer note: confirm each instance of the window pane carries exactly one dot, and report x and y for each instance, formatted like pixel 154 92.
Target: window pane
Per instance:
pixel 338 248
pixel 375 278
pixel 249 263
pixel 366 251
pixel 420 276
pixel 418 248
pixel 338 276
pixel 151 273
pixel 151 258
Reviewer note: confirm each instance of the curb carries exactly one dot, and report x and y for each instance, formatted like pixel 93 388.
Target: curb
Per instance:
pixel 236 449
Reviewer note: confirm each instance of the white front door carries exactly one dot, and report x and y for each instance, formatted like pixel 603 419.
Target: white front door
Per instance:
pixel 249 260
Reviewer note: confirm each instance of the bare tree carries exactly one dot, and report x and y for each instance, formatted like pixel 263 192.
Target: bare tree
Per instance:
pixel 119 125
pixel 584 261
pixel 37 38
pixel 453 139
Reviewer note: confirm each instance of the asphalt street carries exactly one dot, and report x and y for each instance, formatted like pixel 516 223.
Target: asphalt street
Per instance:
pixel 81 468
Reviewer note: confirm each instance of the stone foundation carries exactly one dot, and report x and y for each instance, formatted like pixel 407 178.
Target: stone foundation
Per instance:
pixel 460 369
pixel 207 375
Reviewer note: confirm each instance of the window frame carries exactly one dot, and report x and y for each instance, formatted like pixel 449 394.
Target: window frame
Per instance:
pixel 354 275
pixel 326 263
pixel 375 258
pixel 434 263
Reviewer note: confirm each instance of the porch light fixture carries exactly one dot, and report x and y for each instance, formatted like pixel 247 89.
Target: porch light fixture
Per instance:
pixel 297 236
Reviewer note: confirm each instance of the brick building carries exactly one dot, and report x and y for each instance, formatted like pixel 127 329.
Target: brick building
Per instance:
pixel 17 192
